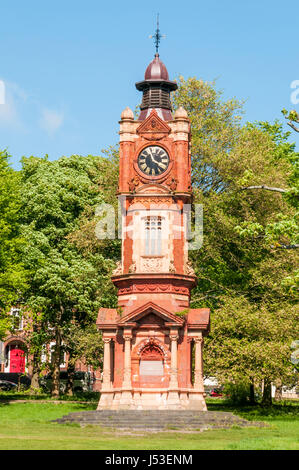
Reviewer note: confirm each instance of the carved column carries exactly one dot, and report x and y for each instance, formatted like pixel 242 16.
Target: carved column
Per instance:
pixel 107 365
pixel 173 400
pixel 126 400
pixel 174 361
pixel 106 392
pixel 198 371
pixel 127 363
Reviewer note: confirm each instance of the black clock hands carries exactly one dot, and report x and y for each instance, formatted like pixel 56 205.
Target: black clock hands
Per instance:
pixel 153 161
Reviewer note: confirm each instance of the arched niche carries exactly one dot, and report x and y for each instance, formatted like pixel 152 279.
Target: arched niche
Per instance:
pixel 150 361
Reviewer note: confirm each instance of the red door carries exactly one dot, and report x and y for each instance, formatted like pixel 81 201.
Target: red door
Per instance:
pixel 17 360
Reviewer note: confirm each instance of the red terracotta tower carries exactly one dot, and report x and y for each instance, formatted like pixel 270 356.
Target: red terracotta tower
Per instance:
pixel 153 341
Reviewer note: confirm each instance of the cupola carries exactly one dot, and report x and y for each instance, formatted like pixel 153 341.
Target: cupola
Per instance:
pixel 156 88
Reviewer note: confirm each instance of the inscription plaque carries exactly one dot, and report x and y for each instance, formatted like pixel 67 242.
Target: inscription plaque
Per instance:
pixel 151 368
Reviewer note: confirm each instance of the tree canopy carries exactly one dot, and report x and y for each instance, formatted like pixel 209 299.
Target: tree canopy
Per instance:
pixel 12 270
pixel 67 283
pixel 244 276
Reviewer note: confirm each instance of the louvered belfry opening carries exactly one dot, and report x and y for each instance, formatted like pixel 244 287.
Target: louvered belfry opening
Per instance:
pixel 156 88
pixel 156 96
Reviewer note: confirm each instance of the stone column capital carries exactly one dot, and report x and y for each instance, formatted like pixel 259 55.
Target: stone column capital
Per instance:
pixel 198 339
pixel 107 340
pixel 127 337
pixel 174 337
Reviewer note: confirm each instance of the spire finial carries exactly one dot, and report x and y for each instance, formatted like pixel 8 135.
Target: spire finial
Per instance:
pixel 157 36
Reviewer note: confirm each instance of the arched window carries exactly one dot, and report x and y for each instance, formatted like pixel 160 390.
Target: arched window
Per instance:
pixel 153 235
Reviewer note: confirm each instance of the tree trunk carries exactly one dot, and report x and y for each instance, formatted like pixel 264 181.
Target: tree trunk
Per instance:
pixel 70 379
pixel 251 394
pixel 35 381
pixel 56 357
pixel 267 395
pixel 36 370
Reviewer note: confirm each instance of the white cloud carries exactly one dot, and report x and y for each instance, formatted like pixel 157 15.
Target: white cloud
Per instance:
pixel 22 112
pixel 51 120
pixel 9 116
pixel 12 97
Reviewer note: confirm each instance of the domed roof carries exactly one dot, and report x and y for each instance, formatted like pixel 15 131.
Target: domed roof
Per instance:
pixel 181 113
pixel 156 70
pixel 127 113
pixel 156 88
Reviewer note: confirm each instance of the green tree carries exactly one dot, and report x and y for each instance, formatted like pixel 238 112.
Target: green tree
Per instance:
pixel 240 274
pixel 36 335
pixel 84 344
pixel 12 271
pixel 66 282
pixel 284 231
pixel 292 118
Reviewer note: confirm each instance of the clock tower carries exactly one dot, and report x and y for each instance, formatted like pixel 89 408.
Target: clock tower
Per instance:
pixel 153 341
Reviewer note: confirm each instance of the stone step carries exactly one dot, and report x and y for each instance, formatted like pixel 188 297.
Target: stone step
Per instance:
pixel 156 423
pixel 150 421
pixel 149 418
pixel 145 426
pixel 150 413
pixel 139 414
pixel 155 419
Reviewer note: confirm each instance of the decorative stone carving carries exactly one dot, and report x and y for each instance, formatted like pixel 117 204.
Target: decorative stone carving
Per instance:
pixel 189 269
pixel 198 339
pixel 151 352
pixel 172 183
pixel 152 341
pixel 151 265
pixel 153 128
pixel 149 202
pixel 132 268
pixel 151 287
pixel 171 266
pixel 118 269
pixel 127 337
pixel 133 183
pixel 174 337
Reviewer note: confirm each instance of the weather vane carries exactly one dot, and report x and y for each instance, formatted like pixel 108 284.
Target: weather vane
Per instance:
pixel 157 36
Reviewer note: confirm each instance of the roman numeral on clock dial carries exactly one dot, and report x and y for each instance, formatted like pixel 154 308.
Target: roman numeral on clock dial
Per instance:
pixel 153 160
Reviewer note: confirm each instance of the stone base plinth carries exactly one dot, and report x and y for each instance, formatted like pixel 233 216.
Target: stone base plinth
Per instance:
pixel 152 399
pixel 157 420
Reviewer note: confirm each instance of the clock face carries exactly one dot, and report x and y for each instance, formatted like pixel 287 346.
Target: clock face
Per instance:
pixel 153 160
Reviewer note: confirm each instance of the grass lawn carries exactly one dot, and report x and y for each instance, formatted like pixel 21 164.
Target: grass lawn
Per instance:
pixel 28 426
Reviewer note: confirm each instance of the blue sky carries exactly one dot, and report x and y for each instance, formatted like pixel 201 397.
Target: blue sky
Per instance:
pixel 70 67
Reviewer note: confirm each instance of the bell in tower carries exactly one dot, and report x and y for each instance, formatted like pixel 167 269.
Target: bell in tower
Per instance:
pixel 153 341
